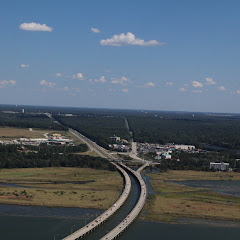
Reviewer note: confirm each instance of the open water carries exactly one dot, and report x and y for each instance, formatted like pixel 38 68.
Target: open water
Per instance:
pixel 42 223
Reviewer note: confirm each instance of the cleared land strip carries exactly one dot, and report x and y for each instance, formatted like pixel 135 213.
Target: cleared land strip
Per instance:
pixel 136 210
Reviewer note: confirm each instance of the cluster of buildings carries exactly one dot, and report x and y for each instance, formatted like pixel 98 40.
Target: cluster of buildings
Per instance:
pixel 152 147
pixel 118 144
pixel 164 151
pixel 54 139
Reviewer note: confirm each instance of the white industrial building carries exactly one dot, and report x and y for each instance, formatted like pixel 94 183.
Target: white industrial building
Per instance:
pixel 184 147
pixel 219 166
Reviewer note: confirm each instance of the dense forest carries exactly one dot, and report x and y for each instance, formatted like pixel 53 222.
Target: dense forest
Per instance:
pixel 97 128
pixel 28 121
pixel 12 157
pixel 198 130
pixel 44 148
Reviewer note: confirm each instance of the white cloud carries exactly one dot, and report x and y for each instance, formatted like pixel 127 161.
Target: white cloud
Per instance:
pixel 5 83
pixel 125 90
pixel 238 91
pixel 67 89
pixel 169 83
pixel 121 81
pixel 197 91
pixel 58 75
pixel 128 39
pixel 95 30
pixel 35 27
pixel 149 84
pixel 48 84
pixel 182 89
pixel 12 82
pixel 222 88
pixel 78 76
pixel 24 66
pixel 210 81
pixel 197 84
pixel 102 79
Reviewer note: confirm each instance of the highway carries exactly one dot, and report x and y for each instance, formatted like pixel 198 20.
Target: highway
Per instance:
pixel 103 217
pixel 136 210
pixel 127 188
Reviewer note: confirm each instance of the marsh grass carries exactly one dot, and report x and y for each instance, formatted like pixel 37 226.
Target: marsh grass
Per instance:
pixel 174 201
pixel 60 187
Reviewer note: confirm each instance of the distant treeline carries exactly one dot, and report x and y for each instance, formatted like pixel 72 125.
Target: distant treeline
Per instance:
pixel 28 121
pixel 46 149
pixel 12 157
pixel 97 128
pixel 187 129
pixel 221 130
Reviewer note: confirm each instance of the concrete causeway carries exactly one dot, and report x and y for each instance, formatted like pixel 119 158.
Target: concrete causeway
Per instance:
pixel 103 217
pixel 136 210
pixel 127 188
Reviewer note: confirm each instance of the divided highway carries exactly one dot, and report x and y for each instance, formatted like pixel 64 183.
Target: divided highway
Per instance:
pixel 103 217
pixel 127 188
pixel 136 210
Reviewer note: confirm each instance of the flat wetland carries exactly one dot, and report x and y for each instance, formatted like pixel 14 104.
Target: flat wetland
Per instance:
pixel 60 187
pixel 173 201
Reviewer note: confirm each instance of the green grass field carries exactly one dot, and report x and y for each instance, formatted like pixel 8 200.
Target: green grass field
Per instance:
pixel 174 201
pixel 60 187
pixel 8 133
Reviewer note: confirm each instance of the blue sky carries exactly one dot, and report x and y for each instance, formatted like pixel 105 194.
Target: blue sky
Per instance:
pixel 163 55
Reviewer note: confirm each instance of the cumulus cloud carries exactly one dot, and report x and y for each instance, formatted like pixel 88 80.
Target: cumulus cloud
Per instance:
pixel 210 81
pixel 182 89
pixel 35 27
pixel 125 90
pixel 12 82
pixel 197 84
pixel 47 84
pixel 78 76
pixel 24 66
pixel 121 81
pixel 5 83
pixel 197 91
pixel 149 84
pixel 67 89
pixel 169 83
pixel 128 39
pixel 58 75
pixel 222 88
pixel 95 30
pixel 102 79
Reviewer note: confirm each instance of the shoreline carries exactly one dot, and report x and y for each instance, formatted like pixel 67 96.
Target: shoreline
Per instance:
pixel 198 221
pixel 49 206
pixel 89 213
